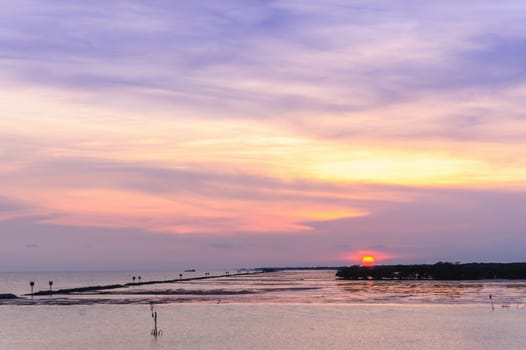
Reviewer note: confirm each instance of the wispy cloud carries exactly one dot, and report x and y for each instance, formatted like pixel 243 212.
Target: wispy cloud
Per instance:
pixel 266 123
pixel 259 59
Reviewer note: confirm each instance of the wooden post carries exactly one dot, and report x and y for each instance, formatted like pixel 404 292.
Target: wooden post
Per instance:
pixel 32 284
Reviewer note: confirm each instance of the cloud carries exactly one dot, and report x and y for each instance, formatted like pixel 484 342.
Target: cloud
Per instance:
pixel 466 225
pixel 156 179
pixel 348 63
pixel 276 126
pixel 448 225
pixel 89 248
pixel 106 193
pixel 12 208
pixel 7 205
pixel 401 220
pixel 259 59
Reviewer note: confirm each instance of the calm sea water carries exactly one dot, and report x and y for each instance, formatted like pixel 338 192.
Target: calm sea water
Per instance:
pixel 18 282
pixel 282 310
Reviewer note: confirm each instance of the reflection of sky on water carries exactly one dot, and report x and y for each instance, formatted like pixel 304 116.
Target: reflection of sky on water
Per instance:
pixel 465 292
pixel 308 287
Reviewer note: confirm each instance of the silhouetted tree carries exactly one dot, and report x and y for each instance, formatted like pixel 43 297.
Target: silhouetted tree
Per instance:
pixel 438 271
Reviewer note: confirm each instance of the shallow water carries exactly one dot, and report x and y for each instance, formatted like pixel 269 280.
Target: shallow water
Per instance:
pixel 18 282
pixel 281 310
pixel 277 287
pixel 262 326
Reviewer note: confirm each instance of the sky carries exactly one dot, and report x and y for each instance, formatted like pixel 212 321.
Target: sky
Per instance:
pixel 218 134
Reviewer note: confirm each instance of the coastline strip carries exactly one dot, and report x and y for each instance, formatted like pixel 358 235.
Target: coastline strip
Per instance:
pixel 132 284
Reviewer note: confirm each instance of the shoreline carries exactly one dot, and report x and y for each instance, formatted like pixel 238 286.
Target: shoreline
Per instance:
pixel 105 287
pixel 282 287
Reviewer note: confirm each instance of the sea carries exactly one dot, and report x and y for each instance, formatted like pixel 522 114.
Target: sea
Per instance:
pixel 291 309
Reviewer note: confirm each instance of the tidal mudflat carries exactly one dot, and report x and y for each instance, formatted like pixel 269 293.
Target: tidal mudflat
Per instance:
pixel 281 310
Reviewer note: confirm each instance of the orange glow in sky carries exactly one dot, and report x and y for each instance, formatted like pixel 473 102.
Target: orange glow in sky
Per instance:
pixel 369 257
pixel 287 150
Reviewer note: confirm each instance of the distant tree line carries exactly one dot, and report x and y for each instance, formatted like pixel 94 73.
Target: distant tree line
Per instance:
pixel 438 271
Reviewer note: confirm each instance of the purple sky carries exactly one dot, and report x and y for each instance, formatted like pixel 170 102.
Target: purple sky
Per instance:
pixel 218 134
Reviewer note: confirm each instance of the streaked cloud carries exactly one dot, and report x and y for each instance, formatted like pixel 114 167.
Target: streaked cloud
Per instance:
pixel 254 126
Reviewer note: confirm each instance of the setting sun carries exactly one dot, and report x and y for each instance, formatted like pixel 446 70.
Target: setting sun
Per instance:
pixel 367 260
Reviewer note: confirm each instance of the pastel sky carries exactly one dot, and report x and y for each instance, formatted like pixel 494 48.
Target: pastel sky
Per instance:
pixel 174 134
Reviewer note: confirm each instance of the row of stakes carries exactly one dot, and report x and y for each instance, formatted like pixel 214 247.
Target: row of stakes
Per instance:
pixel 32 283
pixel 158 332
pixel 155 331
pixel 138 278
